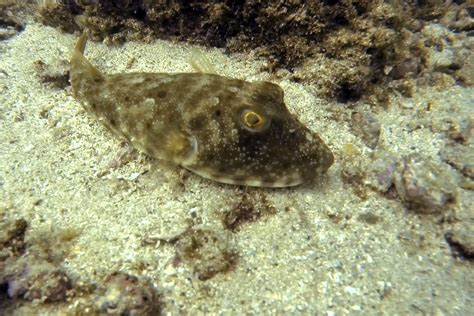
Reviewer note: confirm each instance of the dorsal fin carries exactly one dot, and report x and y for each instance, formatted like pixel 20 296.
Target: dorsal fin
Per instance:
pixel 81 43
pixel 79 63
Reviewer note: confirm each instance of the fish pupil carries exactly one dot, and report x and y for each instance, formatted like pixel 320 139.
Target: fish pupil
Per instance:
pixel 252 119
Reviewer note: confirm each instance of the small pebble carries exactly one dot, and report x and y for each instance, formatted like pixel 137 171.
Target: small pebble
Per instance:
pixel 134 176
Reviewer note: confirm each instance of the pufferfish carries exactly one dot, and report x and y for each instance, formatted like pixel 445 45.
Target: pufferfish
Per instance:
pixel 227 130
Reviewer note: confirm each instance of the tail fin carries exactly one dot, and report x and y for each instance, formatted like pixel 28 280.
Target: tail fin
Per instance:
pixel 81 68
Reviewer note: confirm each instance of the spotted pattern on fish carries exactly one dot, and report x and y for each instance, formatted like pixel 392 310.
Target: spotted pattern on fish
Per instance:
pixel 228 130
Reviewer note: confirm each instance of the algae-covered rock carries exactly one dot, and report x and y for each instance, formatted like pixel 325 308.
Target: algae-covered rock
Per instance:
pixel 425 186
pixel 345 48
pixel 206 251
pixel 460 236
pixel 382 171
pixel 461 157
pixel 12 237
pixel 461 240
pixel 465 74
pixel 124 294
pixel 31 268
pixel 11 21
pixel 249 209
pixel 366 126
pixel 33 278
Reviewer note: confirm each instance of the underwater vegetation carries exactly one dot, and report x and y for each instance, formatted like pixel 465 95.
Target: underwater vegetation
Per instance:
pixel 348 49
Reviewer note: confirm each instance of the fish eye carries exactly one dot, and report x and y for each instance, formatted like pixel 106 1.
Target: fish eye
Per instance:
pixel 253 120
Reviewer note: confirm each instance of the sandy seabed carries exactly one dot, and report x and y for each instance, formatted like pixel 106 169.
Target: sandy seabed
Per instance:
pixel 315 254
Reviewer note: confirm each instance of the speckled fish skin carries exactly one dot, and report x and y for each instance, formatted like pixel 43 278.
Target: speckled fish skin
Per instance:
pixel 224 129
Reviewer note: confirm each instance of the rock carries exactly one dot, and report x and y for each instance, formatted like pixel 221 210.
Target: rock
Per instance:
pixel 460 236
pixel 463 20
pixel 460 157
pixel 124 294
pixel 367 127
pixel 12 235
pixel 33 278
pixel 466 73
pixel 381 173
pixel 461 241
pixel 461 129
pixel 425 186
pixel 10 24
pixel 32 270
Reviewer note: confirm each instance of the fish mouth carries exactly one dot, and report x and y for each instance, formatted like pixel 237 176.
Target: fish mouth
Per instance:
pixel 279 182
